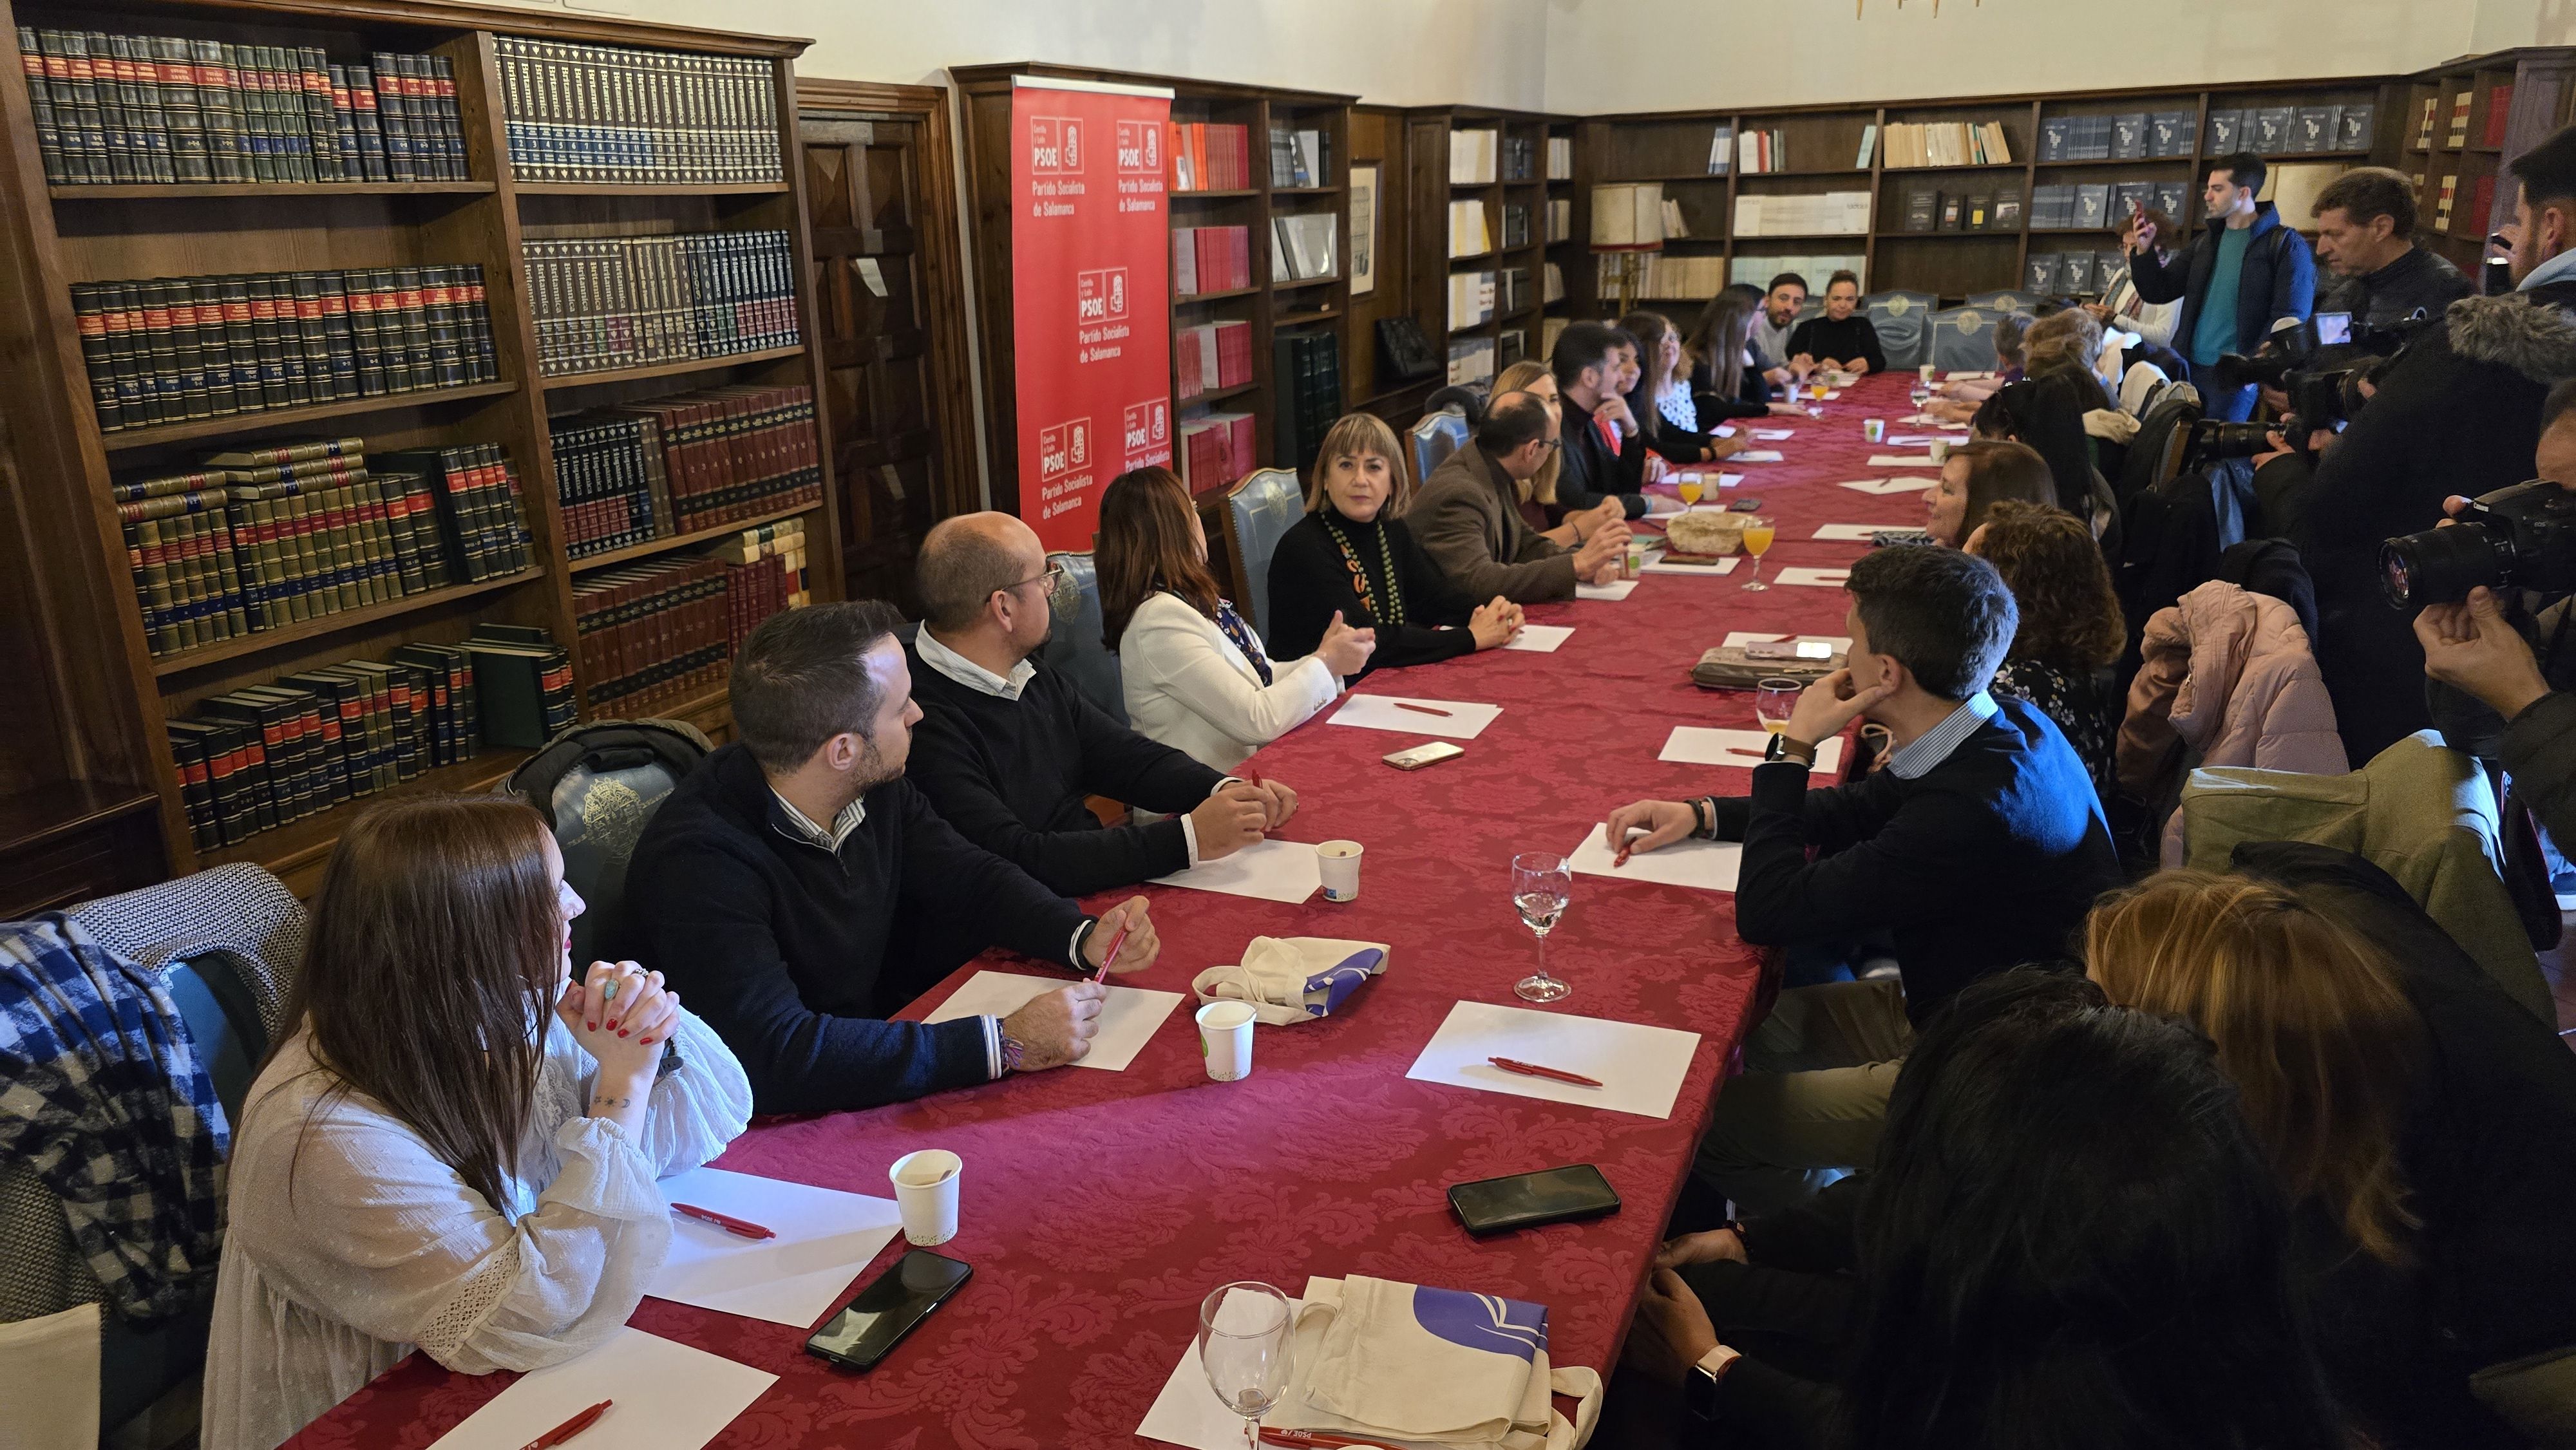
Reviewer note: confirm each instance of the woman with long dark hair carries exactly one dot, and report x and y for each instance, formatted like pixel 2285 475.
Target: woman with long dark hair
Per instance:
pixel 2070 631
pixel 1196 676
pixel 1724 382
pixel 452 1145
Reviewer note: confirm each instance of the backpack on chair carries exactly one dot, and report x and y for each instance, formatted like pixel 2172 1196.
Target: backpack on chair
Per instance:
pixel 597 785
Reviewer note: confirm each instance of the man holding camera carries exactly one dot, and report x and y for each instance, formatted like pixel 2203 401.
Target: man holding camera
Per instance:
pixel 2239 279
pixel 2457 412
pixel 2366 237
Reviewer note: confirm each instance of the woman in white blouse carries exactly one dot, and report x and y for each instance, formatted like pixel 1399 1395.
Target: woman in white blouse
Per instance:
pixel 454 1146
pixel 1196 676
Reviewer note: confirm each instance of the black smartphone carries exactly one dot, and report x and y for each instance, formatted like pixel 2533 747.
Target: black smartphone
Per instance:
pixel 1745 506
pixel 1525 1200
pixel 887 1309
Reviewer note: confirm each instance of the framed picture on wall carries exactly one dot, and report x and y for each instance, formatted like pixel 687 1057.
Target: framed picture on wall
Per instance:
pixel 1363 229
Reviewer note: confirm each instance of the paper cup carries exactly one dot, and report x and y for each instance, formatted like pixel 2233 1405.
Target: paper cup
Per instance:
pixel 1874 429
pixel 925 1193
pixel 1940 450
pixel 1924 372
pixel 1225 1038
pixel 1630 567
pixel 1339 861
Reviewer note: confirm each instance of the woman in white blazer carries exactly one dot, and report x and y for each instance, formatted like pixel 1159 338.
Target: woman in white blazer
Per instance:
pixel 1196 676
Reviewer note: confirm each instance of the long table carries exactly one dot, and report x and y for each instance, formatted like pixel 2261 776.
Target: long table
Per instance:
pixel 1100 1207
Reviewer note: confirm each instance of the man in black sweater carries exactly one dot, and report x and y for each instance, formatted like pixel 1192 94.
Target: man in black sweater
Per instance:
pixel 799 890
pixel 1978 847
pixel 1008 750
pixel 1590 386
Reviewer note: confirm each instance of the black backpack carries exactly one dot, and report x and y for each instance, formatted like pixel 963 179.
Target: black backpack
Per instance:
pixel 598 785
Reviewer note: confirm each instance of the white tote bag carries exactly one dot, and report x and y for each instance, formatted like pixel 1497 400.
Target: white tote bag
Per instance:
pixel 1291 979
pixel 1379 1358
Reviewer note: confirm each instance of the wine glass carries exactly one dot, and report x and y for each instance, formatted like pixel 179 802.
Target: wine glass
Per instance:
pixel 1689 486
pixel 1245 1333
pixel 1921 393
pixel 1542 883
pixel 1757 541
pixel 1774 700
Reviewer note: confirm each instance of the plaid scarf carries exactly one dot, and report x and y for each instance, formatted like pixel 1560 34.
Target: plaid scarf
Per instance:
pixel 101 1093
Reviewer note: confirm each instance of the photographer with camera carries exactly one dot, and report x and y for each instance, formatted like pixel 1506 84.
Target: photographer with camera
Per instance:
pixel 2243 275
pixel 2458 412
pixel 2366 238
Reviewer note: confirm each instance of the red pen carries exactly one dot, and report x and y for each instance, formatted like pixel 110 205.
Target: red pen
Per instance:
pixel 1420 709
pixel 739 1227
pixel 1312 1440
pixel 1555 1074
pixel 569 1428
pixel 1111 955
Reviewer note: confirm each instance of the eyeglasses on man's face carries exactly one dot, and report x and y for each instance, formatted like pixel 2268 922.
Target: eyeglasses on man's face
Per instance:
pixel 1048 577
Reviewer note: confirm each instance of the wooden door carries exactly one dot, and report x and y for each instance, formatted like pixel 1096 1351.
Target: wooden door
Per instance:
pixel 881 192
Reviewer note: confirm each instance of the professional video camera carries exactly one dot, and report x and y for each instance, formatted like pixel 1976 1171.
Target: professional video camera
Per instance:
pixel 2523 537
pixel 2319 397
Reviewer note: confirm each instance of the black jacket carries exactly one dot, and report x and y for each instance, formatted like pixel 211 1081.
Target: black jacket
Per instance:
pixel 1590 472
pixel 1310 579
pixel 795 954
pixel 2418 280
pixel 2459 412
pixel 1012 776
pixel 1751 399
pixel 2009 816
pixel 2278 279
pixel 1853 337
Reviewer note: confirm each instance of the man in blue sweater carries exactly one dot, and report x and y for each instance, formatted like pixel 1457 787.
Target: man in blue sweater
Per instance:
pixel 798 890
pixel 2244 275
pixel 1978 847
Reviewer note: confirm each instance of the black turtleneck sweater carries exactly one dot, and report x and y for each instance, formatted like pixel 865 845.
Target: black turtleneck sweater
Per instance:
pixel 1849 340
pixel 1310 577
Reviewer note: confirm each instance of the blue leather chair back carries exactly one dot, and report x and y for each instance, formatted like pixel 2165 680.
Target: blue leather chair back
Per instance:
pixel 1073 646
pixel 1963 340
pixel 1259 511
pixel 598 785
pixel 1904 323
pixel 1434 438
pixel 223 1023
pixel 2006 300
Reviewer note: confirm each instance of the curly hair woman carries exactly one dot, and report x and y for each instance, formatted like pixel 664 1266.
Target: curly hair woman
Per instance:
pixel 2070 624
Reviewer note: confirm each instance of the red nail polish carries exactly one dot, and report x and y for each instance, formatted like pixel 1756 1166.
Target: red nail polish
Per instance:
pixel 590 1027
pixel 621 1034
pixel 612 1024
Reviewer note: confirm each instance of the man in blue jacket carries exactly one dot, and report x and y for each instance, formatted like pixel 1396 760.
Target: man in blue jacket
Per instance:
pixel 2237 280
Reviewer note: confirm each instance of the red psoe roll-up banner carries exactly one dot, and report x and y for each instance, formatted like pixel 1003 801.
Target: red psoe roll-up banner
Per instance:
pixel 1091 257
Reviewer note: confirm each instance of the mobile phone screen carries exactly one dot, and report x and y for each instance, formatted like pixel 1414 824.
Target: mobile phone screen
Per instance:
pixel 888 1308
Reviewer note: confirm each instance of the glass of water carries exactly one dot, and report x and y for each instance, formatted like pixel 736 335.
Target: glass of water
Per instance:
pixel 1246 1331
pixel 1921 393
pixel 1542 883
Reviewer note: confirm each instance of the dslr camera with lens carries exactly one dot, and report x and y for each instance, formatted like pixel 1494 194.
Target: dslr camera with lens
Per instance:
pixel 2523 537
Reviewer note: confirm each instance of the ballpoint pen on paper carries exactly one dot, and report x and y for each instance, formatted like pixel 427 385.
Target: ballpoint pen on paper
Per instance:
pixel 1419 709
pixel 569 1428
pixel 1111 955
pixel 739 1227
pixel 1314 1440
pixel 1554 1074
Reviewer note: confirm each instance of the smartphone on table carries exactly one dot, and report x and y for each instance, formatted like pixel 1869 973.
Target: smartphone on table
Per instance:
pixel 887 1309
pixel 1526 1200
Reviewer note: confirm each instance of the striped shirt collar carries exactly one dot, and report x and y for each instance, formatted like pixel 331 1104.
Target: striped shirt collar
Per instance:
pixel 851 817
pixel 1916 759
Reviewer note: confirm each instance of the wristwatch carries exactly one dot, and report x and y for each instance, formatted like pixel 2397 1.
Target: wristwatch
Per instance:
pixel 1702 1386
pixel 1784 748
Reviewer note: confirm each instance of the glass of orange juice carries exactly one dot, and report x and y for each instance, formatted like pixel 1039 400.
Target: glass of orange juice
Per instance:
pixel 1757 541
pixel 1774 701
pixel 1689 485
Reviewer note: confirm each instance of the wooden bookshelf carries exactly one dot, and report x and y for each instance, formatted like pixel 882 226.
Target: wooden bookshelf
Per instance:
pixel 1512 331
pixel 2538 85
pixel 87 738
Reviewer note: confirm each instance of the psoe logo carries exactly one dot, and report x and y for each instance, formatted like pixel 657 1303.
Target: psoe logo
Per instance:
pixel 1055 146
pixel 1148 425
pixel 1064 448
pixel 1100 295
pixel 1140 148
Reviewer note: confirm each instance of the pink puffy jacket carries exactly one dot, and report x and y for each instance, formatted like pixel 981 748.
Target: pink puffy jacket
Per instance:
pixel 2229 674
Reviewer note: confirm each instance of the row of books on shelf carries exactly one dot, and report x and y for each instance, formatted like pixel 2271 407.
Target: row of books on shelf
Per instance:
pixel 2072 274
pixel 1560 158
pixel 2440 205
pixel 1471 298
pixel 1307 367
pixel 1660 275
pixel 1210 356
pixel 2070 206
pixel 2463 102
pixel 111 109
pixel 1210 259
pixel 1831 213
pixel 653 470
pixel 1300 157
pixel 1471 360
pixel 1943 143
pixel 1759 270
pixel 1215 450
pixel 1516 224
pixel 1475 156
pixel 2128 136
pixel 1977 209
pixel 1629 214
pixel 665 630
pixel 579 112
pixel 265 756
pixel 174 349
pixel 1760 152
pixel 2291 130
pixel 1560 219
pixel 261 538
pixel 1208 156
pixel 1469 233
pixel 1302 245
pixel 603 303
pixel 765 573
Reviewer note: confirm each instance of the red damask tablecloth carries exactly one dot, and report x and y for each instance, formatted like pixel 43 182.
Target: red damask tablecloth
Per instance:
pixel 1099 1207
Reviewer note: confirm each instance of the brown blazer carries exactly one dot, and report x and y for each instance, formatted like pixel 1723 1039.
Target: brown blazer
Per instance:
pixel 1468 520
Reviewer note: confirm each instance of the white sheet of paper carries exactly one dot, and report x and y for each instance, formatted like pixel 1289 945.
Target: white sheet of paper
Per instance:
pixel 1540 638
pixel 824 1238
pixel 1640 1068
pixel 1957 377
pixel 1268 870
pixel 1900 460
pixel 1615 589
pixel 669 1397
pixel 1927 420
pixel 1738 638
pixel 1459 720
pixel 1127 1019
pixel 1900 440
pixel 1814 578
pixel 1704 745
pixel 1656 565
pixel 1757 455
pixel 1773 435
pixel 1701 865
pixel 1885 486
pixel 1188 1413
pixel 1831 394
pixel 1729 480
pixel 1722 430
pixel 1856 533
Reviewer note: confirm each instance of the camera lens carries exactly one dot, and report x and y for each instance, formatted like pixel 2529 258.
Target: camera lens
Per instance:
pixel 2441 566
